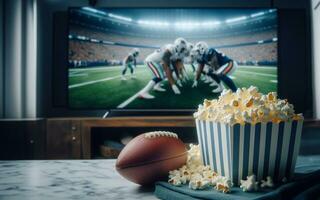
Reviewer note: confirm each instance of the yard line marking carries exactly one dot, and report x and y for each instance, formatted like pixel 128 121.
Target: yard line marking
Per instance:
pixel 257 73
pixel 256 67
pixel 274 81
pixel 92 82
pixel 96 81
pixel 232 77
pixel 100 68
pixel 94 68
pixel 128 101
pixel 76 74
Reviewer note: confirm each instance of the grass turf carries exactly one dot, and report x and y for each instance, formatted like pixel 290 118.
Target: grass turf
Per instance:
pixel 111 91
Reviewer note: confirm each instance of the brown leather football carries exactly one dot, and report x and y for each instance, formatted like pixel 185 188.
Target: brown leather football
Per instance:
pixel 150 156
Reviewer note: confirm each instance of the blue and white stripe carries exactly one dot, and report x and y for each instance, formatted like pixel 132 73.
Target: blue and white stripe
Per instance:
pixel 263 149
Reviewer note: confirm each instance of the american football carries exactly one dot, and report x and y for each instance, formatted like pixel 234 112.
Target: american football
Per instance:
pixel 150 156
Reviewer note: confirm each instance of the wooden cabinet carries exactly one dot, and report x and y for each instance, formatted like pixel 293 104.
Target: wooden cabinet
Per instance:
pixel 76 138
pixel 129 122
pixel 63 139
pixel 22 139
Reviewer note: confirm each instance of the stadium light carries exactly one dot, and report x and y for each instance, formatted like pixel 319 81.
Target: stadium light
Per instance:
pixel 158 23
pixel 108 42
pixel 94 10
pixel 260 41
pixel 185 25
pixel 94 40
pixel 120 17
pixel 153 23
pixel 272 10
pixel 210 23
pixel 80 37
pixel 274 39
pixel 257 14
pixel 236 19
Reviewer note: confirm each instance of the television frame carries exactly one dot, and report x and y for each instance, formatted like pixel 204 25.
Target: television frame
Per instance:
pixel 297 10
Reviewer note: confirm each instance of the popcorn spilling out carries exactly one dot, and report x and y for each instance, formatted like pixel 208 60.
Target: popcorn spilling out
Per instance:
pixel 246 105
pixel 198 176
pixel 250 184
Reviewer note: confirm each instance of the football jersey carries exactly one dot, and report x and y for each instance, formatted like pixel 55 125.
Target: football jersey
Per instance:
pixel 130 59
pixel 157 55
pixel 177 56
pixel 212 56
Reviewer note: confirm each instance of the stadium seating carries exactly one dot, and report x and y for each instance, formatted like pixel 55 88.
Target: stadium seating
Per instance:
pixel 84 53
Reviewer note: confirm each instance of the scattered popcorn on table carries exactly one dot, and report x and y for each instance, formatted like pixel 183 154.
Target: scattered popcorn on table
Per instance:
pixel 267 183
pixel 250 184
pixel 176 180
pixel 198 184
pixel 246 105
pixel 223 184
pixel 198 176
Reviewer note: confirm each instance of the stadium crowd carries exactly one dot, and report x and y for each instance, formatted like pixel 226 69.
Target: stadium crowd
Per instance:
pixel 85 53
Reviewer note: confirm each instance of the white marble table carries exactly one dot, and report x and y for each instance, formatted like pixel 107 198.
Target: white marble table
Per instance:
pixel 67 179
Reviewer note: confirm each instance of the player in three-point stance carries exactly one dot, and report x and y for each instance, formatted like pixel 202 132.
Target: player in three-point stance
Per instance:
pixel 159 64
pixel 221 66
pixel 130 61
pixel 177 60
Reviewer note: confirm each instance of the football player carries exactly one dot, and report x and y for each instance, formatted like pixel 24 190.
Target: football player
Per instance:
pixel 130 61
pixel 159 64
pixel 177 59
pixel 190 54
pixel 206 69
pixel 221 66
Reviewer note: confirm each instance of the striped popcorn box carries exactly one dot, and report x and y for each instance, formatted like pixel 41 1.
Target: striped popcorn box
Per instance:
pixel 263 149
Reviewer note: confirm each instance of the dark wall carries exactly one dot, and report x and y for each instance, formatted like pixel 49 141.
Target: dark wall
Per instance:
pixel 1 58
pixel 294 52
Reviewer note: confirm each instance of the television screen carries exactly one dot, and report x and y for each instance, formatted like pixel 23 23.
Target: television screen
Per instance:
pixel 146 58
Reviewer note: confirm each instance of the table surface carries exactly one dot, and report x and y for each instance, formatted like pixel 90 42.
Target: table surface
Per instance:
pixel 67 179
pixel 82 179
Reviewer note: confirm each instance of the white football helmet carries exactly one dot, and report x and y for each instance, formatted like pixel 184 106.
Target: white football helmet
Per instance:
pixel 201 47
pixel 170 48
pixel 195 53
pixel 135 52
pixel 180 45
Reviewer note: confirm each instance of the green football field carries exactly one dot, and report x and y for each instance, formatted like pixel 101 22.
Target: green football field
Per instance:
pixel 102 87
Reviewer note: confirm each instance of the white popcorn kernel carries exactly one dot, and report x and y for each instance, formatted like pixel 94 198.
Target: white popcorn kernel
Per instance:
pixel 174 173
pixel 250 184
pixel 184 179
pixel 249 102
pixel 264 98
pixel 198 184
pixel 230 118
pixel 223 184
pixel 267 183
pixel 239 91
pixel 253 90
pixel 175 181
pixel 234 103
pixel 246 117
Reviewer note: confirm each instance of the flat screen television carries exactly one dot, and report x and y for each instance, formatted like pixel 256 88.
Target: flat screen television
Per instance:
pixel 113 55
